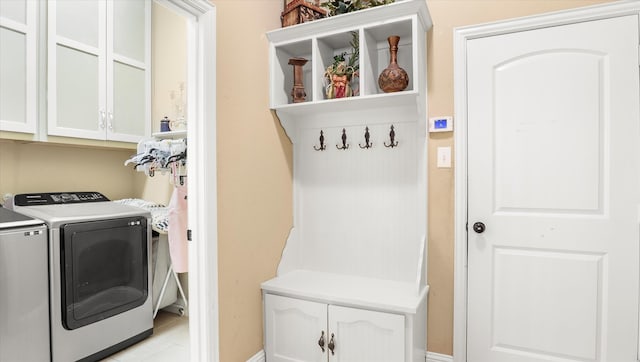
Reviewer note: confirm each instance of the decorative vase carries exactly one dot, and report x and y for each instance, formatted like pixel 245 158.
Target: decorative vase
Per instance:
pixel 393 78
pixel 298 93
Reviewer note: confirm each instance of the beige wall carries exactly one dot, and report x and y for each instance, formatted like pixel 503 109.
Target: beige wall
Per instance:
pixel 42 167
pixel 254 173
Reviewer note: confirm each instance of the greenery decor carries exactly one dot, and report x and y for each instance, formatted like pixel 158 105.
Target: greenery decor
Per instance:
pixel 337 7
pixel 343 70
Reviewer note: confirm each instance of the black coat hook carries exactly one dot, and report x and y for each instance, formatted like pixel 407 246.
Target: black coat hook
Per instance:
pixel 367 144
pixel 344 141
pixel 392 137
pixel 322 145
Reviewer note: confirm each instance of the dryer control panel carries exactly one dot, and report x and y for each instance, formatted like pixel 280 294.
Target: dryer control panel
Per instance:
pixel 55 198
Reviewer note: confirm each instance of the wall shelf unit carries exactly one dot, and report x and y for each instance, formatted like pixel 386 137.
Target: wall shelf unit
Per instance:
pixel 357 251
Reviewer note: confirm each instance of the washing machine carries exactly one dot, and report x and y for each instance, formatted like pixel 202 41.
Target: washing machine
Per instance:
pixel 99 272
pixel 24 288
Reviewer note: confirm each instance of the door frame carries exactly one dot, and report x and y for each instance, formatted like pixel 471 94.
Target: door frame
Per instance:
pixel 202 180
pixel 461 36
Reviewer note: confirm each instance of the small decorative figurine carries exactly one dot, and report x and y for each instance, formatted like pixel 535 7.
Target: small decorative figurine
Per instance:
pixel 298 93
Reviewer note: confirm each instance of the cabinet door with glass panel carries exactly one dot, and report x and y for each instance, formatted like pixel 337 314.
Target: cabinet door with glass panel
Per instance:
pixel 18 27
pixel 99 69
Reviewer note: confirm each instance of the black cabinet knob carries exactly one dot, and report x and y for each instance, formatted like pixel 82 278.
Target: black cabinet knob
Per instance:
pixel 479 227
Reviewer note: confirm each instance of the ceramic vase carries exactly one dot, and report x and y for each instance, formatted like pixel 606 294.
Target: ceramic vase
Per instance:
pixel 297 93
pixel 393 78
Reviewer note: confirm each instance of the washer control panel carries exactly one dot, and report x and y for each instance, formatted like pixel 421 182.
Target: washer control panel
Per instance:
pixel 55 198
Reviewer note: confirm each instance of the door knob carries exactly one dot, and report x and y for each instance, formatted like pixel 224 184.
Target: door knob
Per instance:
pixel 479 227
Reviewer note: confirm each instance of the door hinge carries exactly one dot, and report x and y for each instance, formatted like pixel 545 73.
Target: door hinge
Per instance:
pixel 189 234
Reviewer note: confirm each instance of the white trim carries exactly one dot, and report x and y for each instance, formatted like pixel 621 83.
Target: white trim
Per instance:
pixel 430 357
pixel 258 357
pixel 437 357
pixel 461 36
pixel 202 180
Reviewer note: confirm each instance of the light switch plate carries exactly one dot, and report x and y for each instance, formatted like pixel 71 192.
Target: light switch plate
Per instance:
pixel 444 157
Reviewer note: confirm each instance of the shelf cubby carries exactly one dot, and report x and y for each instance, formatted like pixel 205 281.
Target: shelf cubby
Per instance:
pixel 376 48
pixel 329 46
pixel 282 71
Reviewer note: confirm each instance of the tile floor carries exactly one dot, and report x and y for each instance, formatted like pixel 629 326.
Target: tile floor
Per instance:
pixel 169 342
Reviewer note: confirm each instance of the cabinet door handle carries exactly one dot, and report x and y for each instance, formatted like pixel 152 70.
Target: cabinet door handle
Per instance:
pixel 110 123
pixel 332 344
pixel 101 119
pixel 321 341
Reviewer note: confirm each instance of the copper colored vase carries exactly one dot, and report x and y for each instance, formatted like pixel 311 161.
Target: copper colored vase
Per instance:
pixel 393 78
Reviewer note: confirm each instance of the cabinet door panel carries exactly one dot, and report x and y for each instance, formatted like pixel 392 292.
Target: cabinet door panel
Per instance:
pixel 14 10
pixel 362 335
pixel 129 29
pixel 18 66
pixel 293 328
pixel 129 105
pixel 13 72
pixel 79 20
pixel 77 90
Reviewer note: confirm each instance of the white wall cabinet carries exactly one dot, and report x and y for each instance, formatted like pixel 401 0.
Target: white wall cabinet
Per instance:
pixel 358 242
pixel 301 330
pixel 18 66
pixel 99 69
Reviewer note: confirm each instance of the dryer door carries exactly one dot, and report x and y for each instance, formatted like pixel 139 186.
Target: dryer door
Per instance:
pixel 104 269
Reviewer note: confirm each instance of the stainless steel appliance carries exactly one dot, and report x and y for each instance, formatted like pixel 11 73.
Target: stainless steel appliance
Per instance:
pixel 99 272
pixel 24 294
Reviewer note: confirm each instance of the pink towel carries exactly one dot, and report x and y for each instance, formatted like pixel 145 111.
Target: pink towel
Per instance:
pixel 178 244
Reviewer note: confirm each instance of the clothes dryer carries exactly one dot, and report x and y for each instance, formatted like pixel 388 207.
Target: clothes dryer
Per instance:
pixel 99 272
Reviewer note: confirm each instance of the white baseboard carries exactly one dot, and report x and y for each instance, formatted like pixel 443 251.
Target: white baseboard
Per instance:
pixel 437 357
pixel 431 357
pixel 258 357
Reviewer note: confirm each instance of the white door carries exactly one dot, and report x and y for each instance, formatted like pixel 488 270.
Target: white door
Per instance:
pixel 363 335
pixel 553 175
pixel 293 328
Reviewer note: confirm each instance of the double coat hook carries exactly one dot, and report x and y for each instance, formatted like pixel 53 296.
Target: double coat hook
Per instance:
pixel 344 141
pixel 367 144
pixel 322 145
pixel 392 137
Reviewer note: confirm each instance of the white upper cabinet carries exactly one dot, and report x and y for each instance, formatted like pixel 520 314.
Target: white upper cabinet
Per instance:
pixel 99 69
pixel 18 27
